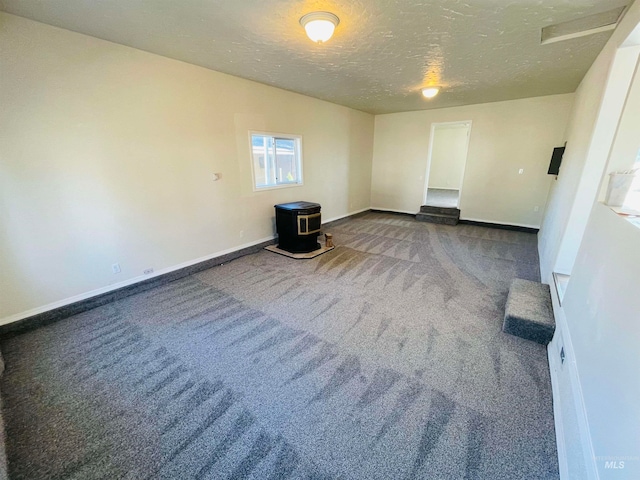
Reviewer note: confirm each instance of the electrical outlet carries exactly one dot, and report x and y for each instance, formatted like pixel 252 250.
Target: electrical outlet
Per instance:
pixel 116 268
pixel 521 171
pixel 148 271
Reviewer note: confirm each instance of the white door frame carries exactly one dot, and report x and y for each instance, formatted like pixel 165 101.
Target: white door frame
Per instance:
pixel 468 123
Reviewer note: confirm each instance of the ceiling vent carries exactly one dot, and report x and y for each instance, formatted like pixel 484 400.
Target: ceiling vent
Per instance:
pixel 600 22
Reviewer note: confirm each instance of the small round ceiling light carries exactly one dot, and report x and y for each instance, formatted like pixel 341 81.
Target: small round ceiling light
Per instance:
pixel 319 25
pixel 430 92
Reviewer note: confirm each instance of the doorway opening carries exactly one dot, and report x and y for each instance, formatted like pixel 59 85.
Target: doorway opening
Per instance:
pixel 447 159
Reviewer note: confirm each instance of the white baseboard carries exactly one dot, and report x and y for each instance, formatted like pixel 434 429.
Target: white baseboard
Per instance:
pixel 562 339
pixel 115 286
pixel 557 416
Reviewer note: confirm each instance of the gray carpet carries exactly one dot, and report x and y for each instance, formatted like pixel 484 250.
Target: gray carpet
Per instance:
pixel 440 197
pixel 382 359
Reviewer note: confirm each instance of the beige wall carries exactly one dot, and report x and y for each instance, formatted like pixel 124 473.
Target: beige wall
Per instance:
pixel 505 137
pixel 448 156
pixel 108 154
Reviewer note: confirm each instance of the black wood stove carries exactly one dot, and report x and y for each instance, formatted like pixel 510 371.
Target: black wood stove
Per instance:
pixel 298 226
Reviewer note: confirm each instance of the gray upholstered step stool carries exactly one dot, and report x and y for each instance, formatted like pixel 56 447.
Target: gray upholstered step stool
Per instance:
pixel 529 312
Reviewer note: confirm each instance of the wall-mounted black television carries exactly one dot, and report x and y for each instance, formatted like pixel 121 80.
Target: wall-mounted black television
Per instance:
pixel 556 159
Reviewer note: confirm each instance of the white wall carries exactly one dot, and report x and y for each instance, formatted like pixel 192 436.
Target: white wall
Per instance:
pixel 448 156
pixel 596 391
pixel 108 154
pixel 505 137
pixel 594 120
pixel 626 143
pixel 602 308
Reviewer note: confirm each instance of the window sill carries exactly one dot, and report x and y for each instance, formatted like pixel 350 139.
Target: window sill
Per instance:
pixel 277 187
pixel 631 216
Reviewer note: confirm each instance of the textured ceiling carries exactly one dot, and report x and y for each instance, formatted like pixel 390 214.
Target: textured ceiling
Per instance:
pixel 382 52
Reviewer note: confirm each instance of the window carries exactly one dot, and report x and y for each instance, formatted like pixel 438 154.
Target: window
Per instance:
pixel 276 160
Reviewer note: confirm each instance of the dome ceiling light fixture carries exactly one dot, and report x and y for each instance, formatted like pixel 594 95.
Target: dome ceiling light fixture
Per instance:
pixel 430 92
pixel 319 25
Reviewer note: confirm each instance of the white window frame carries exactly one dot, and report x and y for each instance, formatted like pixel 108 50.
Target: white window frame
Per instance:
pixel 298 149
